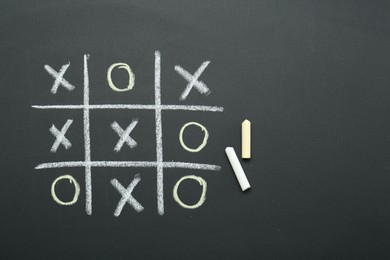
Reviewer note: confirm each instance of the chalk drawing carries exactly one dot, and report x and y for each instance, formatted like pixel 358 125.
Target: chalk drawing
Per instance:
pixel 202 198
pixel 135 107
pixel 119 164
pixel 193 80
pixel 60 136
pixel 126 195
pixel 124 135
pixel 202 145
pixel 159 147
pixel 76 190
pixel 129 71
pixel 87 140
pixel 59 78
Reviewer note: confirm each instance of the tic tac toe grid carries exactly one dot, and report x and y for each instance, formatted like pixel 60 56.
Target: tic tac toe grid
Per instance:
pixel 159 164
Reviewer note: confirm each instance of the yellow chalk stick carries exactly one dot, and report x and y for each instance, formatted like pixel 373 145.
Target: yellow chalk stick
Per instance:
pixel 246 139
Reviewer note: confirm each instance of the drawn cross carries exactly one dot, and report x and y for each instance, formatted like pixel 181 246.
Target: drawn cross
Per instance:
pixel 60 136
pixel 59 78
pixel 126 195
pixel 124 135
pixel 193 80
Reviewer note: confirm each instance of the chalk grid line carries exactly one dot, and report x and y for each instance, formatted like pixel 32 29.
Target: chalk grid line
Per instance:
pixel 159 148
pixel 87 141
pixel 133 107
pixel 119 164
pixel 159 163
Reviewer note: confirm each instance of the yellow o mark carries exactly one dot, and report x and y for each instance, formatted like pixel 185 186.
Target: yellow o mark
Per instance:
pixel 129 71
pixel 202 145
pixel 76 193
pixel 202 198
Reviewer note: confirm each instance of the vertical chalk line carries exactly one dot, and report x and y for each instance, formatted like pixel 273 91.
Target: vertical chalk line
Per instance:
pixel 87 141
pixel 159 148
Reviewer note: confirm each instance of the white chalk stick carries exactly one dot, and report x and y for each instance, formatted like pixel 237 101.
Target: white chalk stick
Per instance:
pixel 246 139
pixel 240 174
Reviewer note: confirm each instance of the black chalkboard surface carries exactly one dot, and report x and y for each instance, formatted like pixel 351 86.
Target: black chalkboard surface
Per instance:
pixel 94 95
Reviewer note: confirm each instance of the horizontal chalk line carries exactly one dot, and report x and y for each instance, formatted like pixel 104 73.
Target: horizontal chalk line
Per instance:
pixel 134 106
pixel 185 165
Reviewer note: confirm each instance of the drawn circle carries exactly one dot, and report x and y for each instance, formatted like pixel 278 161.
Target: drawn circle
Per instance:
pixel 76 193
pixel 204 142
pixel 202 198
pixel 129 71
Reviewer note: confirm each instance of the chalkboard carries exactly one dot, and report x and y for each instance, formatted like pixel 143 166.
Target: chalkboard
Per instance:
pixel 95 96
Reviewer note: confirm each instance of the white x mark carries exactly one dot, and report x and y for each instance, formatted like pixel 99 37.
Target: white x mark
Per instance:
pixel 124 135
pixel 59 78
pixel 126 195
pixel 193 80
pixel 60 136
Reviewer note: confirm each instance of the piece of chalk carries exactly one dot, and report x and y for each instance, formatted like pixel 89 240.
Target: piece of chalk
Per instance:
pixel 240 174
pixel 246 139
